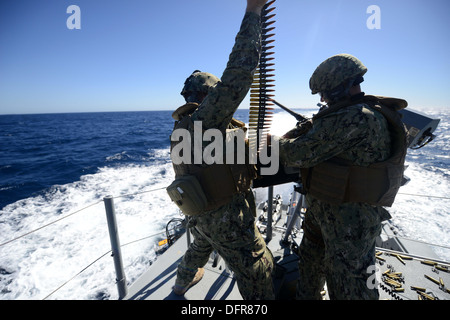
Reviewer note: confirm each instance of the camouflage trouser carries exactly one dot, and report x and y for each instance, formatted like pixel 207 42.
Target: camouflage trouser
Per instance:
pixel 231 231
pixel 338 248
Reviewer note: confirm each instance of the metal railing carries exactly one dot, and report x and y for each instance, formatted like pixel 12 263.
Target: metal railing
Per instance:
pixel 115 246
pixel 115 241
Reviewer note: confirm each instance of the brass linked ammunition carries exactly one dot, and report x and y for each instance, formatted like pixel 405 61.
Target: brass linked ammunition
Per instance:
pixel 380 258
pixel 426 296
pixel 400 258
pixel 430 263
pixel 260 116
pixel 432 279
pixel 418 288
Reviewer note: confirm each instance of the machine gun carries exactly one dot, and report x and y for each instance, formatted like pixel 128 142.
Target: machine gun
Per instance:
pixel 284 174
pixel 296 115
pixel 420 129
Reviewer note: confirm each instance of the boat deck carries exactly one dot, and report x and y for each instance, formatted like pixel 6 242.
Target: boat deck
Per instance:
pixel 402 272
pixel 157 282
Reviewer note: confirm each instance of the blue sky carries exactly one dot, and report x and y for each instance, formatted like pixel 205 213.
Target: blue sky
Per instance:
pixel 135 55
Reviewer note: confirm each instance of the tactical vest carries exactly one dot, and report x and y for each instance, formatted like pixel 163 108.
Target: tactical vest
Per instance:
pixel 219 182
pixel 337 181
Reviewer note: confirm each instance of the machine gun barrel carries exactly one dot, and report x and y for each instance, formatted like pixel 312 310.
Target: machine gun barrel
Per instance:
pixel 297 116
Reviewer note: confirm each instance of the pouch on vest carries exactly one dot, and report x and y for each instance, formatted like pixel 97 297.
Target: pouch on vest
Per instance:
pixel 188 195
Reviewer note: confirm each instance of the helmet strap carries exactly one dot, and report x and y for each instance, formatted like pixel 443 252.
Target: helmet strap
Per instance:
pixel 342 91
pixel 195 97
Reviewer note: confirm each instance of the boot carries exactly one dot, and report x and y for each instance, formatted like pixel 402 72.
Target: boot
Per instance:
pixel 179 290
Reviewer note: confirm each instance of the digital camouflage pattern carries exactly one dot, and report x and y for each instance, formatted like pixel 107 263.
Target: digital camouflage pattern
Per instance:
pixel 358 134
pixel 231 230
pixel 334 71
pixel 340 250
pixel 219 106
pixel 200 81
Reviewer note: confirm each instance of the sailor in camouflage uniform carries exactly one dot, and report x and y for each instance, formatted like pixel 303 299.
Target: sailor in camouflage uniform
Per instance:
pixel 351 159
pixel 229 228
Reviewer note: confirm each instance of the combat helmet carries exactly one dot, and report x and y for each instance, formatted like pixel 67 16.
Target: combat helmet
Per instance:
pixel 198 85
pixel 336 75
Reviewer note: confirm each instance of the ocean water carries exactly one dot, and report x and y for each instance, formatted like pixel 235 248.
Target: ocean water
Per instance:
pixel 55 169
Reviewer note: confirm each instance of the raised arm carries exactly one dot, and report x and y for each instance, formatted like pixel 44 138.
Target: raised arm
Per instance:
pixel 221 103
pixel 255 6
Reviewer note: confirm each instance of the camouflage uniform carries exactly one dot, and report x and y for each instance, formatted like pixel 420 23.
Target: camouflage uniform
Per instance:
pixel 341 238
pixel 231 229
